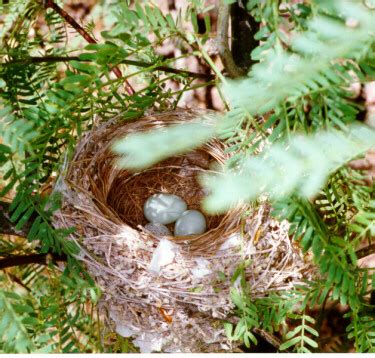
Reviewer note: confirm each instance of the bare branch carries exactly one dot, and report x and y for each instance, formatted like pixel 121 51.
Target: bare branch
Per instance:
pixel 6 226
pixel 223 43
pixel 25 61
pixel 41 259
pixel 236 60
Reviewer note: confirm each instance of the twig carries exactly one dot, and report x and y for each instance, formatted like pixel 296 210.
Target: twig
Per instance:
pixel 270 338
pixel 170 69
pixel 222 41
pixel 368 250
pixel 126 62
pixel 237 60
pixel 6 226
pixel 85 35
pixel 41 259
pixel 319 321
pixel 17 280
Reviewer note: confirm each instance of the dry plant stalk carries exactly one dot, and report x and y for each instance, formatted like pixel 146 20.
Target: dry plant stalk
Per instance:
pixel 180 308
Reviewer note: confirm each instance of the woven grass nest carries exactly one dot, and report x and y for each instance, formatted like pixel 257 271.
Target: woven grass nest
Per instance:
pixel 181 307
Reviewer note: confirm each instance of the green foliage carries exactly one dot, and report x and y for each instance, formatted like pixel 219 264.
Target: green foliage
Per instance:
pixel 17 133
pixel 13 327
pixel 249 319
pixel 282 75
pixel 364 221
pixel 299 166
pixel 270 313
pixel 298 336
pixel 168 141
pixel 50 316
pixel 362 330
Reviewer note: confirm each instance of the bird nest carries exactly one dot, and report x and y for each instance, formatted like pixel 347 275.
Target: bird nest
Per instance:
pixel 180 306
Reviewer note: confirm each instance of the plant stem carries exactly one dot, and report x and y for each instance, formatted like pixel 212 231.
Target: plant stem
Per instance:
pixel 6 226
pixel 152 66
pixel 14 278
pixel 41 259
pixel 366 251
pixel 222 40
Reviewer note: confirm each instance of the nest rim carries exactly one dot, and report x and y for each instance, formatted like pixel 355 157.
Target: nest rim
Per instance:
pixel 119 256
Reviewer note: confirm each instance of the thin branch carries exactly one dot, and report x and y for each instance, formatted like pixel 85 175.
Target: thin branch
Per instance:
pixel 270 338
pixel 41 259
pixel 235 53
pixel 170 69
pixel 42 59
pixel 85 35
pixel 70 20
pixel 223 43
pixel 14 278
pixel 6 226
pixel 366 251
pixel 126 62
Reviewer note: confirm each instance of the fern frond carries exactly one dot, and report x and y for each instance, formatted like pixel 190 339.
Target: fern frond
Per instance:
pixel 362 330
pixel 16 133
pixel 249 320
pixel 14 336
pixel 364 221
pixel 300 165
pixel 302 337
pixel 161 143
pixel 51 315
pixel 282 75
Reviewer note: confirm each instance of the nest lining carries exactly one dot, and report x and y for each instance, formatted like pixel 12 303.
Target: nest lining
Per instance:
pixel 105 204
pixel 177 175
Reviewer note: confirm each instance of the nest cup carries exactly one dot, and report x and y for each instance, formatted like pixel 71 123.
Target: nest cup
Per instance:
pixel 120 194
pixel 176 309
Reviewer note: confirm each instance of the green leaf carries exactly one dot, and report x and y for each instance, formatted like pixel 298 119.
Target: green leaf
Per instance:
pixel 34 229
pixel 310 342
pixel 228 329
pixel 249 336
pixel 239 330
pixel 24 219
pixel 75 79
pixel 301 165
pixel 30 320
pixel 352 255
pixel 22 308
pixel 237 298
pixel 290 343
pixel 84 67
pixel 292 333
pixel 309 319
pixel 161 143
pixel 312 331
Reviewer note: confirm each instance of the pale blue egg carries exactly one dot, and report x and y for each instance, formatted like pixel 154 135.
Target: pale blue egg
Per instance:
pixel 164 208
pixel 191 222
